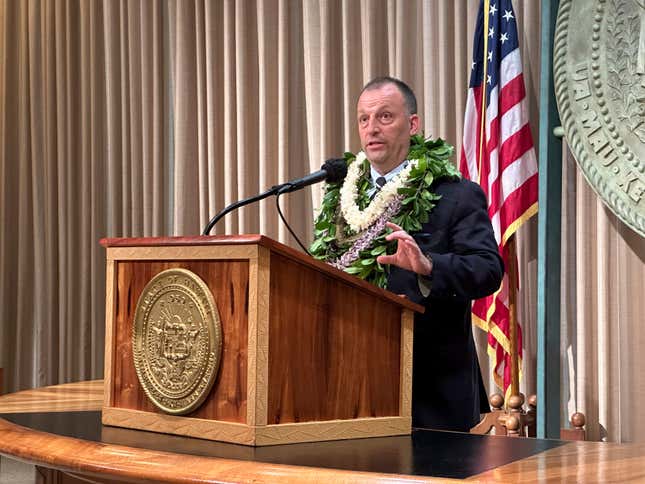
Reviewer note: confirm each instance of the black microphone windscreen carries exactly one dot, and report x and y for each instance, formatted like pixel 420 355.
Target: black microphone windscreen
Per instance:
pixel 336 169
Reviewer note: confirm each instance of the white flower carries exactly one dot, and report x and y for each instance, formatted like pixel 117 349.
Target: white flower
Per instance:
pixel 359 220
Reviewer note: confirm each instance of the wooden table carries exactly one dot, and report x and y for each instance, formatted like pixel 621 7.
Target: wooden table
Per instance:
pixel 66 459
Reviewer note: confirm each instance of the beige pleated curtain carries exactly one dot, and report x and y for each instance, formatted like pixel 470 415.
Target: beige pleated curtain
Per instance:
pixel 145 118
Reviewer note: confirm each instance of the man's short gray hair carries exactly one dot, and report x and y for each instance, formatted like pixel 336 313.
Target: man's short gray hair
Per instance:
pixel 408 94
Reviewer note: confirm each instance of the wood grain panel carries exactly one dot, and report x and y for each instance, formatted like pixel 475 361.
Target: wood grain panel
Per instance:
pixel 227 281
pixel 334 351
pixel 222 241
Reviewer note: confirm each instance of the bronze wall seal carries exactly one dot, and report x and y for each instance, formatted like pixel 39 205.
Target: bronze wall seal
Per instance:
pixel 599 69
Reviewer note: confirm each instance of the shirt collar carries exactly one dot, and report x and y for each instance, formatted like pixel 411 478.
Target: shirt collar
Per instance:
pixel 388 176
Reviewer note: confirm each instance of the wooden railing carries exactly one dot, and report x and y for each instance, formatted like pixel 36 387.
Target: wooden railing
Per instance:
pixel 517 421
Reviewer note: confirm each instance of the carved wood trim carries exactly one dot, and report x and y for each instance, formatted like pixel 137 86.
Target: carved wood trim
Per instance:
pixel 257 435
pixel 407 332
pixel 207 252
pixel 292 433
pixel 110 288
pixel 179 425
pixel 257 346
pixel 251 345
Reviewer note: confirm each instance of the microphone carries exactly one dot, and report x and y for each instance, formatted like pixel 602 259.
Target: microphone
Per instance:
pixel 333 170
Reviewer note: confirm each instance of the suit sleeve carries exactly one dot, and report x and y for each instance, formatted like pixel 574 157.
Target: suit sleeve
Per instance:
pixel 472 267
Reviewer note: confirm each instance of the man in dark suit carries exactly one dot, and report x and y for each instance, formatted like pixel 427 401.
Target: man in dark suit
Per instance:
pixel 451 261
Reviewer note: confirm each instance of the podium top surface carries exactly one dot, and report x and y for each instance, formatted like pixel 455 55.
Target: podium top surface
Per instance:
pixel 268 243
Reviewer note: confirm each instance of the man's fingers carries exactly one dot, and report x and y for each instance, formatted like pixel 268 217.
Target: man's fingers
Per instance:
pixel 399 235
pixel 392 226
pixel 385 259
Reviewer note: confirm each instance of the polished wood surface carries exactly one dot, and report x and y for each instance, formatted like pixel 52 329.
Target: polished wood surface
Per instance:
pixel 228 282
pixel 67 397
pixel 98 462
pixel 182 240
pixel 261 240
pixel 341 359
pixel 572 462
pixel 575 462
pixel 101 462
pixel 308 355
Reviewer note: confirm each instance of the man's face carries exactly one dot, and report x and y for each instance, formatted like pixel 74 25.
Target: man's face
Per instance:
pixel 385 126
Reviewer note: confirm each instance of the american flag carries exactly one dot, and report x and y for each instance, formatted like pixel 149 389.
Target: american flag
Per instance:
pixel 505 164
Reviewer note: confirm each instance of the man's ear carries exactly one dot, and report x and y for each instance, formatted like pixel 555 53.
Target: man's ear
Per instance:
pixel 414 123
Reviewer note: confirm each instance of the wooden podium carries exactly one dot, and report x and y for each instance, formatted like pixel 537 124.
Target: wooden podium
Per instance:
pixel 309 353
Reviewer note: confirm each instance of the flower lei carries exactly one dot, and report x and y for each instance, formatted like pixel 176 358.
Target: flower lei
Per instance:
pixel 357 219
pixel 349 230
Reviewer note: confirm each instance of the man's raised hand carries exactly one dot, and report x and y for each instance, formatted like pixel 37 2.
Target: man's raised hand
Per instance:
pixel 408 255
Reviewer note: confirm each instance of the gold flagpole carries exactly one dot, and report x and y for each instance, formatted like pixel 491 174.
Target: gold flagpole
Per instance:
pixel 482 130
pixel 512 309
pixel 512 250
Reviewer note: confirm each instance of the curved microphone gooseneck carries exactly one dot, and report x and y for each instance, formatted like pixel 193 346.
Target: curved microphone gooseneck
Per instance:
pixel 238 204
pixel 332 171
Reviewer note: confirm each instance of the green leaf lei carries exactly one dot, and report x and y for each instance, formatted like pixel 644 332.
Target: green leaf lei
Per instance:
pixel 333 236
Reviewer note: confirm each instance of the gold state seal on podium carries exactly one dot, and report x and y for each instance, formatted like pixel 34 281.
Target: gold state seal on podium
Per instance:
pixel 177 340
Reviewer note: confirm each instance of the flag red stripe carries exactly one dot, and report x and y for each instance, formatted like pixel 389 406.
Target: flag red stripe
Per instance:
pixel 519 201
pixel 518 144
pixel 493 142
pixel 512 93
pixel 463 163
pixel 515 146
